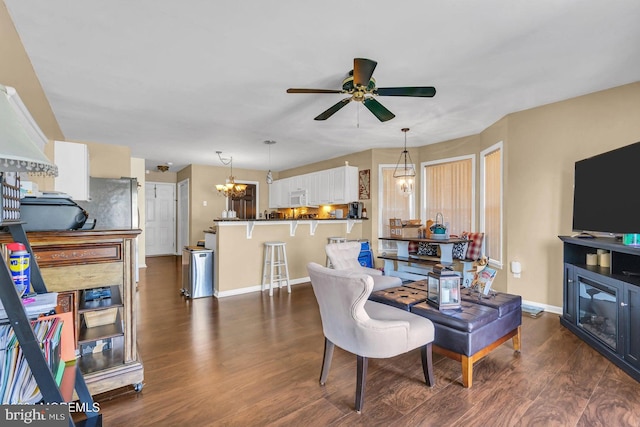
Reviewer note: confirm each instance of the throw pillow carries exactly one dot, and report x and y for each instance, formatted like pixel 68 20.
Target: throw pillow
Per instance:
pixel 459 250
pixel 425 248
pixel 474 249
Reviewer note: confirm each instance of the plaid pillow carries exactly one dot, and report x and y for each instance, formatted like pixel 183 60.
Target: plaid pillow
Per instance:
pixel 425 248
pixel 474 250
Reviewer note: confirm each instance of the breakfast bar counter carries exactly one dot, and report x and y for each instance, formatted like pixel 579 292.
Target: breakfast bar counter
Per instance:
pixel 239 248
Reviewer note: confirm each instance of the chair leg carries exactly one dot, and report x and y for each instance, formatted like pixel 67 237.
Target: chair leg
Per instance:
pixel 326 361
pixel 361 382
pixel 427 364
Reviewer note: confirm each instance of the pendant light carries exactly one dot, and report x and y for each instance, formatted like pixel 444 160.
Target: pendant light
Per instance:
pixel 269 174
pixel 405 172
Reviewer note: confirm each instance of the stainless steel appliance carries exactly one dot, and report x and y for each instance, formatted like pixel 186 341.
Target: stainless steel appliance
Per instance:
pixel 113 203
pixel 355 210
pixel 197 272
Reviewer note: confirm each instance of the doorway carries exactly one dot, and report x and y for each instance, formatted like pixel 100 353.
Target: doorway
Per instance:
pixel 246 206
pixel 160 221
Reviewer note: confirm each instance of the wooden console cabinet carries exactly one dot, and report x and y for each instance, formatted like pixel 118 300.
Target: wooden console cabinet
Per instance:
pixel 72 262
pixel 601 303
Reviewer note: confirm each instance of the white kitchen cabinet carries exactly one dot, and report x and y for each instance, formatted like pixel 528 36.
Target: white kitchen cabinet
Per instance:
pixel 313 185
pixel 278 193
pixel 345 184
pixel 287 184
pixel 331 186
pixel 274 194
pixel 325 187
pixel 300 182
pixel 72 160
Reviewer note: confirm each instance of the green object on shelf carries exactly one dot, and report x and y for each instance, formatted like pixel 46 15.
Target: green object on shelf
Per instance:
pixel 631 239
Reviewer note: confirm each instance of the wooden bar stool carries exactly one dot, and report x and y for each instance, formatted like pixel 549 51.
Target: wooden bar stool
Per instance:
pixel 275 268
pixel 334 240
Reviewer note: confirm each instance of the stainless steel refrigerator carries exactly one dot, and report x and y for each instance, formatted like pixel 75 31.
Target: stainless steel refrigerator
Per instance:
pixel 113 203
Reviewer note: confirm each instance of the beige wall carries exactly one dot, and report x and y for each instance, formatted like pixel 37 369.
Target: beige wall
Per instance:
pixel 541 148
pixel 153 176
pixel 16 71
pixel 202 188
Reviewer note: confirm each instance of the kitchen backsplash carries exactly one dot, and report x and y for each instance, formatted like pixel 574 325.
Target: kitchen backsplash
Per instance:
pixel 322 212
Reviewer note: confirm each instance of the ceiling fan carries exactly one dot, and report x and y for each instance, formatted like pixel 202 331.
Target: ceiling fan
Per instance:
pixel 362 87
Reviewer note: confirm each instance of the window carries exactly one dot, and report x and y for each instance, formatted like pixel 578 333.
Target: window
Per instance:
pixel 392 204
pixel 449 189
pixel 491 202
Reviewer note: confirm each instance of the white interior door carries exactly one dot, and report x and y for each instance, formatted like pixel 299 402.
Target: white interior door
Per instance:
pixel 160 221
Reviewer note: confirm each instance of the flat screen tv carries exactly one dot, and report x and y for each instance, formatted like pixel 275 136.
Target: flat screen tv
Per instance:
pixel 606 192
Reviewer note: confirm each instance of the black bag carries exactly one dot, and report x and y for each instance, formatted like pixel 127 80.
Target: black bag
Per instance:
pixel 51 213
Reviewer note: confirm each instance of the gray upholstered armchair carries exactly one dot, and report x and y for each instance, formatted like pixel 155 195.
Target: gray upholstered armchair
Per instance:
pixel 365 328
pixel 344 256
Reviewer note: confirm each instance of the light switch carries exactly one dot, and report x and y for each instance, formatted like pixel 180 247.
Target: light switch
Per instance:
pixel 204 203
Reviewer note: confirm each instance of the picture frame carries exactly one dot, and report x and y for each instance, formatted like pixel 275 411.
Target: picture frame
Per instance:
pixel 364 184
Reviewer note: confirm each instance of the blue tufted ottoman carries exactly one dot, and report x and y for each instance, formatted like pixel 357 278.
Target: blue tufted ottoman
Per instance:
pixel 469 333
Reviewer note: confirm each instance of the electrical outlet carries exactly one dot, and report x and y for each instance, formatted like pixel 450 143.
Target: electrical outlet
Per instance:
pixel 204 203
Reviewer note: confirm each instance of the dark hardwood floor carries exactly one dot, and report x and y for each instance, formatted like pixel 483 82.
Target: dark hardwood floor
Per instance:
pixel 252 360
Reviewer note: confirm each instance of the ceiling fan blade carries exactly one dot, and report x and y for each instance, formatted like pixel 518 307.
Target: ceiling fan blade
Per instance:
pixel 378 109
pixel 331 111
pixel 294 90
pixel 427 91
pixel 362 71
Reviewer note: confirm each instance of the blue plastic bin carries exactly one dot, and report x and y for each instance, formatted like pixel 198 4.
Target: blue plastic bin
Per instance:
pixel 366 254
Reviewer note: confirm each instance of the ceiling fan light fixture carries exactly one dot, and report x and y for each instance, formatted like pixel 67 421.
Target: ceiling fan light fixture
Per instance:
pixel 405 172
pixel 361 87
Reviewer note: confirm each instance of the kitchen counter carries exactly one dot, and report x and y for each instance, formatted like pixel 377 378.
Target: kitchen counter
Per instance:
pixel 239 248
pixel 293 224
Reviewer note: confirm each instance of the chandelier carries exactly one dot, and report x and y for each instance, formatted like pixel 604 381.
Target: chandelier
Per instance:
pixel 405 172
pixel 230 188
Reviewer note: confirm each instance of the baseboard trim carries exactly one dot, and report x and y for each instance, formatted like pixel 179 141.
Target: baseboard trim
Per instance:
pixel 256 288
pixel 548 308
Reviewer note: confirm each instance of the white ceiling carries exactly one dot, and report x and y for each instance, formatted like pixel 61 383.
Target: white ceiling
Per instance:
pixel 178 80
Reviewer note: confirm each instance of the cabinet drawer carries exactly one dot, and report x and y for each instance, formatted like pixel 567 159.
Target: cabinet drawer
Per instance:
pixel 78 254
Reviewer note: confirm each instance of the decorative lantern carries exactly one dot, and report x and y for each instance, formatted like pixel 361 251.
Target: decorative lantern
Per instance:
pixel 443 289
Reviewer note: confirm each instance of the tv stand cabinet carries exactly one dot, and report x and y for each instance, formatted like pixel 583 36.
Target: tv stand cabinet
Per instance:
pixel 601 304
